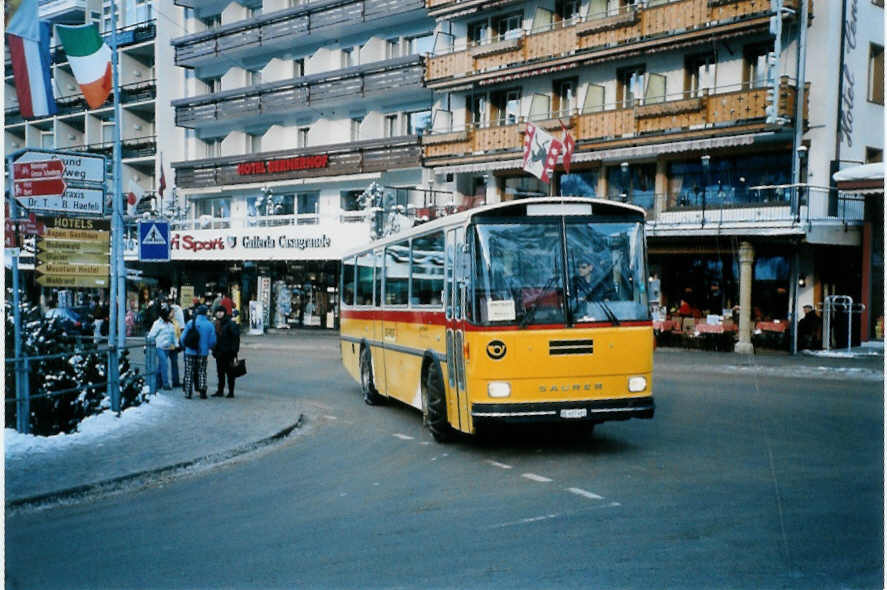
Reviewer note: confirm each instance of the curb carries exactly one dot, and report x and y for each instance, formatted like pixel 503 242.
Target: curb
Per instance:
pixel 143 477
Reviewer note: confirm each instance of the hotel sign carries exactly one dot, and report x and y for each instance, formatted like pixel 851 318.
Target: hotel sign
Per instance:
pixel 283 165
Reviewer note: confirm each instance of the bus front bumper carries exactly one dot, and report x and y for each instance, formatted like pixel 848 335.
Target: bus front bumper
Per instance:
pixel 590 410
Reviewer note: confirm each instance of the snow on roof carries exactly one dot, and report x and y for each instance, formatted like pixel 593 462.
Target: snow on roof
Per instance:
pixel 873 171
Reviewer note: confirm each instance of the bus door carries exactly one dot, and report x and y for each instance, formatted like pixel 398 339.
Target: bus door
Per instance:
pixel 456 284
pixel 376 330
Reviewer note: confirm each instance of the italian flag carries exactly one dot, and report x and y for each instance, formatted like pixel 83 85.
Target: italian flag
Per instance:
pixel 90 60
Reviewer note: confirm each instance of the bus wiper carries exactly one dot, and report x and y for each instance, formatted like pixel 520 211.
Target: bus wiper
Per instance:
pixel 610 315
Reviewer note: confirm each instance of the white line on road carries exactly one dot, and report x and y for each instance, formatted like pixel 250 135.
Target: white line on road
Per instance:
pixel 535 477
pixel 402 436
pixel 328 417
pixel 497 464
pixel 524 521
pixel 584 493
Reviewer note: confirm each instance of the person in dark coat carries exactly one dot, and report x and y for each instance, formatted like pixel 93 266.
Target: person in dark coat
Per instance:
pixel 195 358
pixel 226 349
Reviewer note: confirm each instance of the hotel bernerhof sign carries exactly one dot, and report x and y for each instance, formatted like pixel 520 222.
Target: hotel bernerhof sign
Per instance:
pixel 288 242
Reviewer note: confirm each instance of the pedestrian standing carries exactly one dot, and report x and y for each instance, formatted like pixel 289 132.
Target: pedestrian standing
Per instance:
pixel 227 303
pixel 226 349
pixel 196 350
pixel 163 333
pixel 178 318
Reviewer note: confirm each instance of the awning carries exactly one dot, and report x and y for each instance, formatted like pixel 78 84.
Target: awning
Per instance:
pixel 618 154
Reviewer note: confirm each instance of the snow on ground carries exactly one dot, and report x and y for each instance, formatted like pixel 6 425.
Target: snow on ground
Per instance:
pixel 92 430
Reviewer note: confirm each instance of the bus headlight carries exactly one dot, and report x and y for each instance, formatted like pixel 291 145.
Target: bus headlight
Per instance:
pixel 636 384
pixel 498 389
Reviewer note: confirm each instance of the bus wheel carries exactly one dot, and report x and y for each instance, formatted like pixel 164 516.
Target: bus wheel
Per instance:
pixel 435 404
pixel 370 395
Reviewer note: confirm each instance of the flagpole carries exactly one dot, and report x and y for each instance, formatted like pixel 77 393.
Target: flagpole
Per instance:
pixel 118 279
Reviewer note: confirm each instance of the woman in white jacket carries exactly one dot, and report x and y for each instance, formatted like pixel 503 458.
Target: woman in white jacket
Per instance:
pixel 164 334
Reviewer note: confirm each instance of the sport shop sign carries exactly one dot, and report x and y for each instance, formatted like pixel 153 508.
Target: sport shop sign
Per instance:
pixel 284 243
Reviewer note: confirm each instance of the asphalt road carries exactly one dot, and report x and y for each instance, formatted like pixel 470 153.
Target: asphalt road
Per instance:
pixel 743 479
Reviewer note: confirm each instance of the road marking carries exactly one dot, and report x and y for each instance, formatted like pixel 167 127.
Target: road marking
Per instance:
pixel 497 464
pixel 402 436
pixel 535 477
pixel 584 493
pixel 425 443
pixel 328 417
pixel 524 521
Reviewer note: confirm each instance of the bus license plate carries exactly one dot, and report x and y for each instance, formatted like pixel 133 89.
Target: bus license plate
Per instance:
pixel 574 413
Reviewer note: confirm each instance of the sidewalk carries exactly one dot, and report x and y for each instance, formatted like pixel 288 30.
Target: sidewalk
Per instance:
pixel 169 432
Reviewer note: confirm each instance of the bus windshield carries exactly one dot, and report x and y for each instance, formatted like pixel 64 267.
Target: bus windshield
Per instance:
pixel 521 277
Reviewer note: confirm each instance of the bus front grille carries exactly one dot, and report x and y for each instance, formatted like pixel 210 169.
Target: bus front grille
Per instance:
pixel 559 347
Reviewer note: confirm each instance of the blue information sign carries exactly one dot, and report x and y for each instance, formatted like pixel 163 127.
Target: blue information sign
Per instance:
pixel 154 241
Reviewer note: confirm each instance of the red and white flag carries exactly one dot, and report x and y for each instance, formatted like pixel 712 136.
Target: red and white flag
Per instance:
pixel 133 197
pixel 541 152
pixel 28 39
pixel 569 146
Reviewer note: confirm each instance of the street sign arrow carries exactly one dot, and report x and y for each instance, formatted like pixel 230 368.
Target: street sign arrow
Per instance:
pixel 78 167
pixel 85 235
pixel 92 270
pixel 46 187
pixel 72 281
pixel 71 246
pixel 39 169
pixel 77 258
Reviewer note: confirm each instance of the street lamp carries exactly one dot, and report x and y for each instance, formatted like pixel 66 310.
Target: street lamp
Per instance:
pixel 706 163
pixel 624 195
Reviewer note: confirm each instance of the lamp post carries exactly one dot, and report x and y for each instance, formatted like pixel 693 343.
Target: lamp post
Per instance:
pixel 625 180
pixel 802 162
pixel 706 162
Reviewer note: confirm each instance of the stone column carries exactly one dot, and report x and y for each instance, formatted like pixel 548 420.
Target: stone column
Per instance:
pixel 746 259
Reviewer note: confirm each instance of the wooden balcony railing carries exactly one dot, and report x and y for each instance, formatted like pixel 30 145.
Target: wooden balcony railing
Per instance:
pixel 723 113
pixel 374 155
pixel 578 39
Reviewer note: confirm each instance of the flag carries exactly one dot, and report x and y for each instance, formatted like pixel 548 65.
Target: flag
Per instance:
pixel 161 186
pixel 133 197
pixel 569 146
pixel 541 151
pixel 28 42
pixel 90 60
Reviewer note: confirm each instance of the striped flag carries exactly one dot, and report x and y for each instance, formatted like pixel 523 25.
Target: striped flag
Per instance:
pixel 90 60
pixel 28 40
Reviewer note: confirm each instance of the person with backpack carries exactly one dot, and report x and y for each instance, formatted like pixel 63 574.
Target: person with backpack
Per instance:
pixel 226 349
pixel 198 337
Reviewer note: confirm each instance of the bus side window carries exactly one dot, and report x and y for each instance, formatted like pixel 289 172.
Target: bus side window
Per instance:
pixel 365 279
pixel 377 278
pixel 348 281
pixel 427 269
pixel 397 273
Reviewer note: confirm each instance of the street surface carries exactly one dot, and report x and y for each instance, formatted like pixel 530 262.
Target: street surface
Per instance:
pixel 762 476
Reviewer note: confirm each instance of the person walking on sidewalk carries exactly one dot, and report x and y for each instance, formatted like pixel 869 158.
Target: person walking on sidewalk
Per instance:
pixel 196 350
pixel 226 349
pixel 164 335
pixel 178 320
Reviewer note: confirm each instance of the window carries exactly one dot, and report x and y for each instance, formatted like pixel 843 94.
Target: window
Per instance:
pixel 637 184
pixel 755 69
pixel 522 187
pixel 594 99
pixel 479 32
pixel 418 122
pixel 377 279
pixel 107 132
pixel 47 140
pixel 505 107
pixel 421 45
pixel 253 143
pixel 397 271
pixel 427 266
pixel 564 97
pixel 355 128
pixel 348 281
pixel 298 67
pixel 213 85
pixel 508 26
pixel 213 148
pixel 391 126
pixel 307 203
pixel 365 264
pixel 347 57
pixel 727 180
pixel 477 109
pixel 144 11
pixel 348 200
pixel 253 77
pixel 302 138
pixel 878 3
pixel 630 86
pixel 699 74
pixel 567 9
pixel 271 205
pixel 391 49
pixel 579 184
pixel 216 208
pixel 873 155
pixel 876 73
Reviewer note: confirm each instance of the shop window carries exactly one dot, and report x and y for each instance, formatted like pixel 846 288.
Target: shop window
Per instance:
pixel 271 205
pixel 629 86
pixel 522 187
pixel 635 184
pixel 210 212
pixel 418 122
pixel 364 291
pixel 397 273
pixel 726 182
pixel 580 184
pixel 428 269
pixel 755 70
pixel 699 74
pixel 348 281
pixel 876 73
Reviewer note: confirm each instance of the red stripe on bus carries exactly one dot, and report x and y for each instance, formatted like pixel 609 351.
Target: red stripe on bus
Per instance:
pixel 438 318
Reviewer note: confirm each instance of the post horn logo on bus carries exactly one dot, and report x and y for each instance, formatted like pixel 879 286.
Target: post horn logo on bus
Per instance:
pixel 496 349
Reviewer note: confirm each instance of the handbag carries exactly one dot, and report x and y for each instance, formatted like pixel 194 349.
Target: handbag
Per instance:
pixel 238 368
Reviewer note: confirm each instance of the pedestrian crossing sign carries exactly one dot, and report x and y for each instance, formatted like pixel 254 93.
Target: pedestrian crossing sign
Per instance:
pixel 154 241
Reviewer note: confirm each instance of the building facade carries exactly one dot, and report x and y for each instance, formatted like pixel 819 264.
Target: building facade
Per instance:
pixel 292 112
pixel 691 109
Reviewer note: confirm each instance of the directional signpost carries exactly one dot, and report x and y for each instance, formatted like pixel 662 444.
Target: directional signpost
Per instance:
pixel 66 182
pixel 73 252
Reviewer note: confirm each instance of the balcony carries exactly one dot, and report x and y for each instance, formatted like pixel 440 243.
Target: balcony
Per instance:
pixel 596 38
pixel 283 30
pixel 374 155
pixel 402 76
pixel 136 147
pixel 442 9
pixel 129 93
pixel 62 11
pixel 725 111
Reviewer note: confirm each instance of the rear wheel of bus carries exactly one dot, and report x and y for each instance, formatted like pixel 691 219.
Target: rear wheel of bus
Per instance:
pixel 434 403
pixel 370 395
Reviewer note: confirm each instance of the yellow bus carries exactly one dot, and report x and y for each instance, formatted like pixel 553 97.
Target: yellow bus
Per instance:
pixel 529 310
